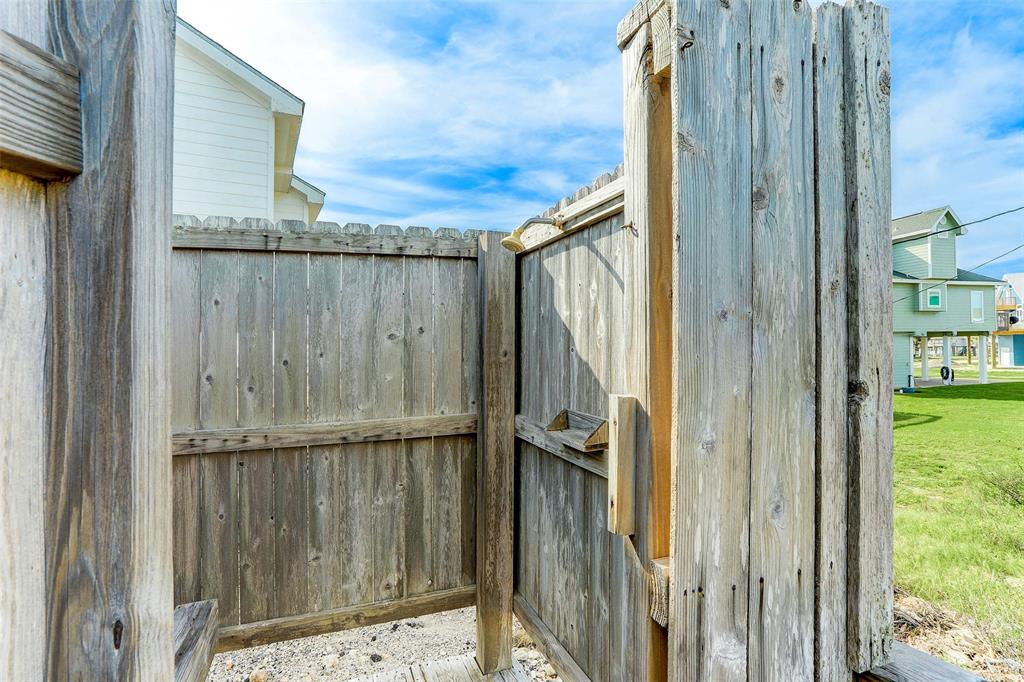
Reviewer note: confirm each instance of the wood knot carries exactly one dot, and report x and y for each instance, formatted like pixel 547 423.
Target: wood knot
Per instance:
pixel 797 6
pixel 857 391
pixel 724 3
pixel 707 445
pixel 778 85
pixel 118 632
pixel 760 198
pixel 687 143
pixel 885 82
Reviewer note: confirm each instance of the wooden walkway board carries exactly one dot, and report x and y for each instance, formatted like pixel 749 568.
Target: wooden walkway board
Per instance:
pixel 455 669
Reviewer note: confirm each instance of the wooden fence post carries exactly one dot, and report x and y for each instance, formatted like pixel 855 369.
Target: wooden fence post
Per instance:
pixel 108 489
pixel 869 266
pixel 495 454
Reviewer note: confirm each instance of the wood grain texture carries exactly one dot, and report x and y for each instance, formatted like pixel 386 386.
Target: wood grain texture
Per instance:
pixel 108 510
pixel 346 618
pixel 912 665
pixel 23 427
pixel 869 314
pixel 305 241
pixel 547 643
pixel 454 669
pixel 621 464
pixel 40 119
pixel 782 423
pixel 495 454
pixel 535 434
pixel 711 140
pixel 830 284
pixel 335 433
pixel 195 634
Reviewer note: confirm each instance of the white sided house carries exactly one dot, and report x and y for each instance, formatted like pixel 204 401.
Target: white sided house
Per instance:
pixel 235 135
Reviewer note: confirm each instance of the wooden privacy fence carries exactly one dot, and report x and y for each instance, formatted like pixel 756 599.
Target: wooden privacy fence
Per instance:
pixel 326 388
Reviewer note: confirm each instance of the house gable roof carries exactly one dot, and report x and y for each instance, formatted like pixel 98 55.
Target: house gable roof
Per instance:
pixel 917 224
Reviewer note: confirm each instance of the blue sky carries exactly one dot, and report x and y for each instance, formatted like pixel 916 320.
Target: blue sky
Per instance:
pixel 480 114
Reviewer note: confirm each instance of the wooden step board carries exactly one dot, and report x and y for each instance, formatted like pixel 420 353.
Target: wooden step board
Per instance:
pixel 195 633
pixel 455 669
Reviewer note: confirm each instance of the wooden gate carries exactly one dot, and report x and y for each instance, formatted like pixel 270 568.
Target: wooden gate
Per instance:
pixel 326 390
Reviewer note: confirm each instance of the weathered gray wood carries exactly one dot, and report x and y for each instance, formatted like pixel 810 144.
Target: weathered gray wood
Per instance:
pixel 108 504
pixel 455 669
pixel 301 435
pixel 346 618
pixel 185 376
pixel 621 463
pixel 573 428
pixel 639 16
pixel 869 311
pixel 23 425
pixel 546 642
pixel 712 339
pixel 218 408
pixel 195 634
pixel 495 454
pixel 831 371
pixel 40 120
pixel 781 590
pixel 257 530
pixel 388 364
pixel 661 579
pixel 305 241
pixel 912 665
pixel 597 543
pixel 534 433
pixel 290 389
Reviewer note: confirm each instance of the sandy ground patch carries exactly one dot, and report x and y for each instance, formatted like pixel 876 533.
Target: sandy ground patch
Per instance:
pixel 369 650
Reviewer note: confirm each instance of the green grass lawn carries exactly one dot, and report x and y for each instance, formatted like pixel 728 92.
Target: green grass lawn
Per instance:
pixel 962 370
pixel 959 488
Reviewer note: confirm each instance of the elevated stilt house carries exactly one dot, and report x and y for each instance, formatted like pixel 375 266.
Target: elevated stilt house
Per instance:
pixel 659 432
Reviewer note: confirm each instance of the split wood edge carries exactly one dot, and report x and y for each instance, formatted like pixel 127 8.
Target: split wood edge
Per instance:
pixel 235 637
pixel 40 112
pixel 195 635
pixel 336 433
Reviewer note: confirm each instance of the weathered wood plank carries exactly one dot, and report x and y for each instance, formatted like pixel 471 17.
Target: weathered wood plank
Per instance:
pixel 218 408
pixel 420 467
pixel 540 235
pixel 661 580
pixel 535 433
pixel 546 642
pixel 195 634
pixel 23 423
pixel 831 371
pixel 346 618
pixel 781 591
pixel 597 628
pixel 712 339
pixel 621 463
pixel 40 117
pixel 638 16
pixel 869 314
pixel 325 564
pixel 291 578
pixel 301 435
pixel 304 241
pixel 257 531
pixel 185 379
pixel 388 359
pixel 495 457
pixel 108 505
pixel 912 665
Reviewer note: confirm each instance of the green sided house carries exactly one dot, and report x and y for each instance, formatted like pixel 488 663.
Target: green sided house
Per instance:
pixel 932 297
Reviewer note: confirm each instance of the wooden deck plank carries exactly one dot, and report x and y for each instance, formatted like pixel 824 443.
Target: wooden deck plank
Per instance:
pixel 454 669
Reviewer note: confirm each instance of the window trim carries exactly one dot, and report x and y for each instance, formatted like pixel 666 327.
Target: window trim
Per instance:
pixel 981 307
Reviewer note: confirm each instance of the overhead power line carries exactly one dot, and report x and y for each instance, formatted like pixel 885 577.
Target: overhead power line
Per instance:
pixel 973 222
pixel 974 269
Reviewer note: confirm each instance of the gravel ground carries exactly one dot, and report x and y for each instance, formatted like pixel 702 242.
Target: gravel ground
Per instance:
pixel 369 650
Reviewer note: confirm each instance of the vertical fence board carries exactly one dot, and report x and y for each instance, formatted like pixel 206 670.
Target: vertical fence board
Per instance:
pixel 712 339
pixel 869 262
pixel 256 528
pixel 495 452
pixel 218 408
pixel 389 510
pixel 781 588
pixel 471 392
pixel 185 377
pixel 290 366
pixel 325 560
pixel 358 393
pixel 419 399
pixel 830 283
